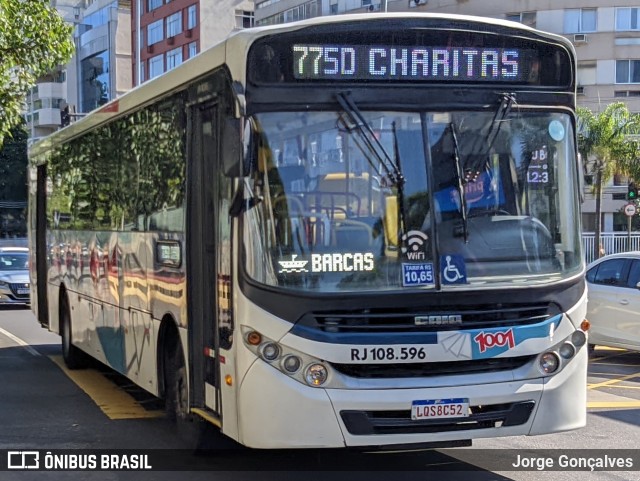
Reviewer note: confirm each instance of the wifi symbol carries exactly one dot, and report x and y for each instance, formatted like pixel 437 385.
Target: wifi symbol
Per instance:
pixel 413 240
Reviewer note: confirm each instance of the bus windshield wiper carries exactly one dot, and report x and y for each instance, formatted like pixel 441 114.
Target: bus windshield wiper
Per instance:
pixel 460 183
pixel 360 125
pixel 506 103
pixel 390 166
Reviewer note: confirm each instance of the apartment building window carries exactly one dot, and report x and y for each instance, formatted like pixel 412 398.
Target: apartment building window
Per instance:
pixel 580 20
pixel 174 24
pixel 193 49
pixel 244 19
pixel 627 71
pixel 154 32
pixel 366 3
pixel 587 73
pixel 333 9
pixel 627 19
pixel 266 3
pixel 626 93
pixel 47 104
pixel 153 4
pixel 192 16
pixel 174 58
pixel 301 12
pixel 526 18
pixel 156 66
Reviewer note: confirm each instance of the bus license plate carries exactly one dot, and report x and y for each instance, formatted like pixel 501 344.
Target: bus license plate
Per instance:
pixel 22 291
pixel 439 409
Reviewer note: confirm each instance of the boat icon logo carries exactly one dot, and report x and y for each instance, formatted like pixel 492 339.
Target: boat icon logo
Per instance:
pixel 293 265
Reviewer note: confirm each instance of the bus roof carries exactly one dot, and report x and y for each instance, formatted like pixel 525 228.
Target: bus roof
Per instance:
pixel 240 41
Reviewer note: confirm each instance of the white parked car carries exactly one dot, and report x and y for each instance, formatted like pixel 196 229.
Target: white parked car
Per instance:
pixel 14 276
pixel 614 301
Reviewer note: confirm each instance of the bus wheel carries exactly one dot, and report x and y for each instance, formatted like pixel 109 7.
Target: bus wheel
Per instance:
pixel 177 394
pixel 73 357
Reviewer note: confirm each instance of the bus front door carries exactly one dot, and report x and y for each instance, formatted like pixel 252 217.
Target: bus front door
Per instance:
pixel 202 259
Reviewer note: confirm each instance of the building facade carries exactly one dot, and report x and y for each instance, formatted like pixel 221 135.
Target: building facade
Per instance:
pixel 165 33
pixel 605 33
pixel 103 52
pixel 99 71
pixel 51 92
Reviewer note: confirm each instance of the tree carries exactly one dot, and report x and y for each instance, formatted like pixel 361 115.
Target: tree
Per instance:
pixel 13 180
pixel 13 165
pixel 606 149
pixel 34 39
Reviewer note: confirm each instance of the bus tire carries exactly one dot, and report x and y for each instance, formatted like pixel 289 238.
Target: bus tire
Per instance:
pixel 73 357
pixel 176 383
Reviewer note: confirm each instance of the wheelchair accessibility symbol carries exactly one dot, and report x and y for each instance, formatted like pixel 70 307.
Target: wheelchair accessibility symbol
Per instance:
pixel 453 269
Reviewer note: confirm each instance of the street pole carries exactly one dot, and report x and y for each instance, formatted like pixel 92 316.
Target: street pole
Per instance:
pixel 628 233
pixel 385 5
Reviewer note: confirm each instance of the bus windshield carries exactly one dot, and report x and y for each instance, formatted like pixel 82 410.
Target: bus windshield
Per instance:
pixel 429 200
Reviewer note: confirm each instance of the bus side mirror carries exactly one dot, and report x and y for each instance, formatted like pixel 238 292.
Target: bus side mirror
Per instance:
pixel 237 147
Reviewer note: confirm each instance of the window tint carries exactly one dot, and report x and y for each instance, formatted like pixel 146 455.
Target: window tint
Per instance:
pixel 611 273
pixel 591 273
pixel 634 274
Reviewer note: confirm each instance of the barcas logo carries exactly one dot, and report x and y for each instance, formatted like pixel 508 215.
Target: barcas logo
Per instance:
pixel 336 262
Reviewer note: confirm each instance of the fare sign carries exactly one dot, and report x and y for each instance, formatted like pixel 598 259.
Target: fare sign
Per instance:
pixel 381 62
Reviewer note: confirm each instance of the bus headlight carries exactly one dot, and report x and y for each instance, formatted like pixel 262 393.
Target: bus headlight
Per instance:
pixel 567 351
pixel 291 363
pixel 549 362
pixel 578 338
pixel 270 351
pixel 304 368
pixel 316 375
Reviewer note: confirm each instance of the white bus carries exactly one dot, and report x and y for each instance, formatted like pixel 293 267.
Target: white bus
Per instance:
pixel 351 231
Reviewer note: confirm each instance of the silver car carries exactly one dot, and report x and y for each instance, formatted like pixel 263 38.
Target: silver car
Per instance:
pixel 614 301
pixel 14 276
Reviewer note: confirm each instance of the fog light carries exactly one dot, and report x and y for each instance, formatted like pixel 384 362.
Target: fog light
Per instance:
pixel 549 362
pixel 270 351
pixel 578 338
pixel 316 374
pixel 567 351
pixel 291 364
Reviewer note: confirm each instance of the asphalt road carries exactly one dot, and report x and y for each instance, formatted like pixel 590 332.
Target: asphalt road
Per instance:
pixel 43 406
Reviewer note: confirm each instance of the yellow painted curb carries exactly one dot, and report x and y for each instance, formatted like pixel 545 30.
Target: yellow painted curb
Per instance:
pixel 113 401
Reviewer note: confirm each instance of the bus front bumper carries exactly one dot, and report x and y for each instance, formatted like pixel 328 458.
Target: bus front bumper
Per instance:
pixel 279 412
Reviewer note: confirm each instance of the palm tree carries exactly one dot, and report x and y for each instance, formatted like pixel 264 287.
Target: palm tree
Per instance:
pixel 606 149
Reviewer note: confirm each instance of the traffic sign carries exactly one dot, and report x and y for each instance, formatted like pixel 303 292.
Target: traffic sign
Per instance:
pixel 630 210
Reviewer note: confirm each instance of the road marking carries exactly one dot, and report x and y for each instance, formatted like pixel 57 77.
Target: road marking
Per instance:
pixel 614 404
pixel 627 387
pixel 113 401
pixel 19 341
pixel 617 364
pixel 613 381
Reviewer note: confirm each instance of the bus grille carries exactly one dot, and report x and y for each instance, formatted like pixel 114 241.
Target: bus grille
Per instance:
pixel 439 319
pixel 431 369
pixel 399 422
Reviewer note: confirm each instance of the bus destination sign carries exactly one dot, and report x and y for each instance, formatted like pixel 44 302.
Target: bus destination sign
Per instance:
pixel 416 63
